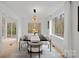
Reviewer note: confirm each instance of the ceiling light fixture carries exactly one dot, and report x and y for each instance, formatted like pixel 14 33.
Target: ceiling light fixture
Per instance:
pixel 34 16
pixel 34 10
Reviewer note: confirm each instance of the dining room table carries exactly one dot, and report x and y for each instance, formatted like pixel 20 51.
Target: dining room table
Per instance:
pixel 27 39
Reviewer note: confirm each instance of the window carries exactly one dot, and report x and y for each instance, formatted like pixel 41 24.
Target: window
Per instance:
pixel 11 29
pixel 3 26
pixel 58 25
pixel 35 26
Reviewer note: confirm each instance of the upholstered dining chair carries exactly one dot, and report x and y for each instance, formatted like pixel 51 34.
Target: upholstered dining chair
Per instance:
pixel 22 42
pixel 35 45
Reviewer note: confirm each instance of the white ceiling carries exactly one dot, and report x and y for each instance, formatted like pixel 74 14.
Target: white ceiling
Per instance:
pixel 24 9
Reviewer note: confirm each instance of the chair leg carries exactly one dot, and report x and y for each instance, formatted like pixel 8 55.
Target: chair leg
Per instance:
pixel 30 52
pixel 50 45
pixel 39 51
pixel 19 45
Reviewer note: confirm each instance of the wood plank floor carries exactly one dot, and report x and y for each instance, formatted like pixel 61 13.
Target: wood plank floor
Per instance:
pixel 9 49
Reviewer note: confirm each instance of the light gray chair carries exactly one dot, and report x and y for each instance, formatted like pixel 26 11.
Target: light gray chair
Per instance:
pixel 22 42
pixel 35 46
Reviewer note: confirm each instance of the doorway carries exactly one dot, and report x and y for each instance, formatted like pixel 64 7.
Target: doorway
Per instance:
pixel 11 30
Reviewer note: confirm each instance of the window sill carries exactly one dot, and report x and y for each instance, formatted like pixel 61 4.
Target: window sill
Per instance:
pixel 57 36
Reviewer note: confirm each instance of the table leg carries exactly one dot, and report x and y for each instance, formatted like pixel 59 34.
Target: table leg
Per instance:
pixel 50 45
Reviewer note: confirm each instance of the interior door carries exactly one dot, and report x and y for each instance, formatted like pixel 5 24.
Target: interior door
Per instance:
pixel 11 30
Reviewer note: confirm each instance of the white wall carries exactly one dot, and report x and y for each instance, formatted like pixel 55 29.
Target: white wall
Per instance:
pixel 9 17
pixel 0 28
pixel 75 33
pixel 2 17
pixel 71 38
pixel 68 30
pixel 58 41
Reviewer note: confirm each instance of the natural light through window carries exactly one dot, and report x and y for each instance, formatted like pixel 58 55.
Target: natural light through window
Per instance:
pixel 57 25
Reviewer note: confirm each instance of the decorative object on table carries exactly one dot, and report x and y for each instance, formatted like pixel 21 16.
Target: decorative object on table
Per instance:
pixel 35 44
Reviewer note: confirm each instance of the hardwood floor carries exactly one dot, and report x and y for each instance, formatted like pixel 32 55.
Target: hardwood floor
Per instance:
pixel 61 54
pixel 9 49
pixel 23 53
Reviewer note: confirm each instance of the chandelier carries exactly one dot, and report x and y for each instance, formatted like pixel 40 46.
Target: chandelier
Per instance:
pixel 34 18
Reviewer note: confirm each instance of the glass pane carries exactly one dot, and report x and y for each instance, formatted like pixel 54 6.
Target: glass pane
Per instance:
pixel 3 26
pixel 13 29
pixel 9 30
pixel 35 26
pixel 58 25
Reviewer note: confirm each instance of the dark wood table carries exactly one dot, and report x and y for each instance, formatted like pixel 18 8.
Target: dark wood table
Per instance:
pixel 42 38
